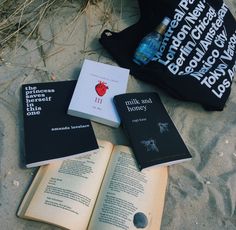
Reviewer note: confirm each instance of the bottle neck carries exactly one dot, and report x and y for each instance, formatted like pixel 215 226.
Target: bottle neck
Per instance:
pixel 160 29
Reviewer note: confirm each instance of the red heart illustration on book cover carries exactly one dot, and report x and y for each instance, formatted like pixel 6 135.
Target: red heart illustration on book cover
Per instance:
pixel 101 88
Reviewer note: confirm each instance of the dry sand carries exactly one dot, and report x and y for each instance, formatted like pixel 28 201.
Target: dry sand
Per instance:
pixel 201 193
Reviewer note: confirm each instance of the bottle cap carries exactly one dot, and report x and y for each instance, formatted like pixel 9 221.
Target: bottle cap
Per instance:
pixel 166 21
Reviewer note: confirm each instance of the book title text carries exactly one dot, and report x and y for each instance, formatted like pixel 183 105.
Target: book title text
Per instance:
pixel 34 97
pixel 137 104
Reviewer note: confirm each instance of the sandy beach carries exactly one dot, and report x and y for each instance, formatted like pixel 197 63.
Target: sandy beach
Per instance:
pixel 201 193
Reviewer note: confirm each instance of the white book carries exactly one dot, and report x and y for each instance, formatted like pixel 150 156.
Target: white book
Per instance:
pixel 93 96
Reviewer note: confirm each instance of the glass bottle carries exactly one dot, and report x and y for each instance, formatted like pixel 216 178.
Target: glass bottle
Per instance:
pixel 150 44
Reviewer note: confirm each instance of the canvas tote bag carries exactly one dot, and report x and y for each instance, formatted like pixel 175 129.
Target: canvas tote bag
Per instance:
pixel 196 60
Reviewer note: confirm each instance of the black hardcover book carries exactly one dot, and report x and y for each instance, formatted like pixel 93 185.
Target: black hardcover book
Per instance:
pixel 49 133
pixel 152 134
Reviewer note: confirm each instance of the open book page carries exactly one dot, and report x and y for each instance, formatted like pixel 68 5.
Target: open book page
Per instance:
pixel 129 199
pixel 68 189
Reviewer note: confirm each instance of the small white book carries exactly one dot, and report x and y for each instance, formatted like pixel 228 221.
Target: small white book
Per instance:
pixel 93 96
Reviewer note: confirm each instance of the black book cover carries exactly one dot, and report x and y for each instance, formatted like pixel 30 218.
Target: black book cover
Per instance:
pixel 152 134
pixel 49 133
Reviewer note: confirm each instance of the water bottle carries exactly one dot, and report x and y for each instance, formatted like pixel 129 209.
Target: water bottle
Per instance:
pixel 150 44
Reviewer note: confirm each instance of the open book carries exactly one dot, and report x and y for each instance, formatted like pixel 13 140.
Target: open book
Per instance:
pixel 103 190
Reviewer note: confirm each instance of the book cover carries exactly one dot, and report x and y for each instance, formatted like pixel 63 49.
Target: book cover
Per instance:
pixel 152 134
pixel 49 132
pixel 93 96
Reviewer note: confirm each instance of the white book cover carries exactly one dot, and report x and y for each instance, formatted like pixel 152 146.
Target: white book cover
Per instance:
pixel 93 96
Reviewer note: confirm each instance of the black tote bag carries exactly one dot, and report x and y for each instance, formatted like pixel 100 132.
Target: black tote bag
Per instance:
pixel 196 60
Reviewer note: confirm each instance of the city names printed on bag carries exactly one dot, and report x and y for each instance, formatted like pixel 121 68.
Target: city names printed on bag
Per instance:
pixel 202 48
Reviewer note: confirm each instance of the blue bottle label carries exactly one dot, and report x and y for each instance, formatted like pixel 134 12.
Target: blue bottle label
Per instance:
pixel 147 49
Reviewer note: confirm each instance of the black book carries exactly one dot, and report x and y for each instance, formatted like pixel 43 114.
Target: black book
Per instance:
pixel 49 133
pixel 152 134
